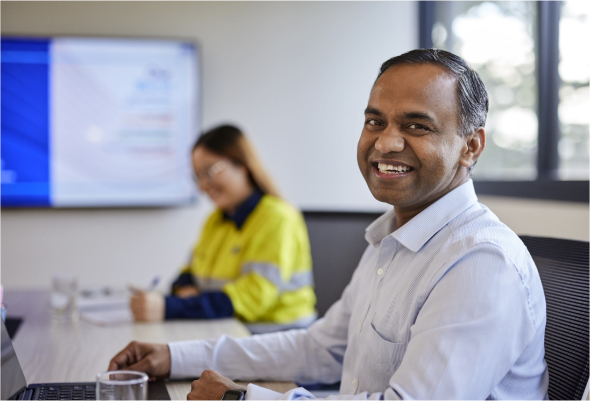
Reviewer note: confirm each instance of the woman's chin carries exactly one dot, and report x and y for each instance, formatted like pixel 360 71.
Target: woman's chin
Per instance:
pixel 221 204
pixel 215 198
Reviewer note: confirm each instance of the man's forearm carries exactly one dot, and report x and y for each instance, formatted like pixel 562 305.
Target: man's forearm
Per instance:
pixel 283 356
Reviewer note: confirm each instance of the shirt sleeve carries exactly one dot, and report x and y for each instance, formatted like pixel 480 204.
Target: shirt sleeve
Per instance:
pixel 254 392
pixel 209 305
pixel 185 278
pixel 253 294
pixel 282 356
pixel 307 356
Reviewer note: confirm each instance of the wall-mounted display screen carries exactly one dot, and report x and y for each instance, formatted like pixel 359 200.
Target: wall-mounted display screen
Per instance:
pixel 92 122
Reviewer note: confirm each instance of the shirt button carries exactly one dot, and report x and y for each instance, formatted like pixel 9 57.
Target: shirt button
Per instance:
pixel 360 326
pixel 380 271
pixel 354 383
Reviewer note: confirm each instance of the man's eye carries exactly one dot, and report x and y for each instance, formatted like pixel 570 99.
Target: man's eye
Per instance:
pixel 372 122
pixel 418 126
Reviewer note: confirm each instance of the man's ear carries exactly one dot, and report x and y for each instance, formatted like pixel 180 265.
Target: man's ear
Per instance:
pixel 475 143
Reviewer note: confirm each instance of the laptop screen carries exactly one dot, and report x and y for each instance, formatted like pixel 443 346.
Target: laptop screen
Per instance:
pixel 12 377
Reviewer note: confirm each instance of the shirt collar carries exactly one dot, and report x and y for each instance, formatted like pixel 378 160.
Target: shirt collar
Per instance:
pixel 244 210
pixel 416 232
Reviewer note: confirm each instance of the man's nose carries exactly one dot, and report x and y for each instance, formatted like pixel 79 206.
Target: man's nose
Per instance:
pixel 390 140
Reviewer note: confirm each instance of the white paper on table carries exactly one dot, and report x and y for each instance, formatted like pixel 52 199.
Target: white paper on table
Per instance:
pixel 108 317
pixel 119 301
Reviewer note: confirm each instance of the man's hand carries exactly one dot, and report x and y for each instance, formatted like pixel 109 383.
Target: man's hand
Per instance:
pixel 211 386
pixel 153 359
pixel 148 306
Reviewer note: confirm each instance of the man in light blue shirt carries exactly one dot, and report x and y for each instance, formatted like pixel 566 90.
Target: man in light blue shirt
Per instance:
pixel 446 302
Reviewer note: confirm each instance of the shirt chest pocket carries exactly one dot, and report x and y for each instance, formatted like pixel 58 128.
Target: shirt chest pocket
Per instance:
pixel 384 358
pixel 395 314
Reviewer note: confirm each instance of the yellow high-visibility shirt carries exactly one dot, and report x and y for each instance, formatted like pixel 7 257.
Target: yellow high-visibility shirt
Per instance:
pixel 264 267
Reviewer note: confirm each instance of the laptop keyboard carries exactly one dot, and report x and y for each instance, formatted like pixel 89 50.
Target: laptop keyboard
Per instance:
pixel 67 393
pixel 80 391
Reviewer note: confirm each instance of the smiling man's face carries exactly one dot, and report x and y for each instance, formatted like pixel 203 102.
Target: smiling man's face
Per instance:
pixel 410 150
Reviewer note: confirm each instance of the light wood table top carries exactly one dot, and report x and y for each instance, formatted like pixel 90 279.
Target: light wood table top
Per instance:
pixel 75 352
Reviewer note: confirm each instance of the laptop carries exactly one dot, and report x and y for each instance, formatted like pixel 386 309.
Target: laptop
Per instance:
pixel 14 384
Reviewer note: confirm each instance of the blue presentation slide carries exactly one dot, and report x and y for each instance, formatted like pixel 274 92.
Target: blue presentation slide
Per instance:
pixel 89 122
pixel 25 122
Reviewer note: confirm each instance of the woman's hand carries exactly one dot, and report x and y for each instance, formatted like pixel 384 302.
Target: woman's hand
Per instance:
pixel 153 359
pixel 186 291
pixel 148 306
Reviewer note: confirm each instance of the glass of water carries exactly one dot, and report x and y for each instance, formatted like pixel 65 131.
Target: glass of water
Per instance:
pixel 121 385
pixel 63 298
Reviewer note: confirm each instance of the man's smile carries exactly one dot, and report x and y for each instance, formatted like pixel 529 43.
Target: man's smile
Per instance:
pixel 391 169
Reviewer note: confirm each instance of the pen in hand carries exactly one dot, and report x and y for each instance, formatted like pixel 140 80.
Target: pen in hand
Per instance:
pixel 146 304
pixel 149 288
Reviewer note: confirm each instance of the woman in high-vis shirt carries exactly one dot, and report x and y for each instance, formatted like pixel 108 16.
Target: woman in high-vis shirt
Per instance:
pixel 253 258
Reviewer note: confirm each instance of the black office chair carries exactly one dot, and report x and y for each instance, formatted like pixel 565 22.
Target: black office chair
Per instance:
pixel 564 270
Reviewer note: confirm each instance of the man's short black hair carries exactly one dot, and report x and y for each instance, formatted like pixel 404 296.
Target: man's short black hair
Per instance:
pixel 471 91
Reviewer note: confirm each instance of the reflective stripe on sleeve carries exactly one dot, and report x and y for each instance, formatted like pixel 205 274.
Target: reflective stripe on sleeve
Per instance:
pixel 273 274
pixel 207 284
pixel 262 328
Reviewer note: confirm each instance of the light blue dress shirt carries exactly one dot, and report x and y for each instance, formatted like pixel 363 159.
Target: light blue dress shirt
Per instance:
pixel 448 306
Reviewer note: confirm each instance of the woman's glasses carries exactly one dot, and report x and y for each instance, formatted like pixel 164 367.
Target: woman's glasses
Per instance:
pixel 210 172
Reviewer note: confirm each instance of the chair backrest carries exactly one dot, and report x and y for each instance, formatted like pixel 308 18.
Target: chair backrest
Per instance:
pixel 564 270
pixel 337 244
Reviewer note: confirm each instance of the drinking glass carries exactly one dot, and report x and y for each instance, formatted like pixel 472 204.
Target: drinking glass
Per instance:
pixel 63 298
pixel 121 385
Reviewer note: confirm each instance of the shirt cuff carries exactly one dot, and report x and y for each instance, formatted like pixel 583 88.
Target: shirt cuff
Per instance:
pixel 188 359
pixel 254 392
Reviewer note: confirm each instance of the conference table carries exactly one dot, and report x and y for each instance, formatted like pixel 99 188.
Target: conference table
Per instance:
pixel 50 351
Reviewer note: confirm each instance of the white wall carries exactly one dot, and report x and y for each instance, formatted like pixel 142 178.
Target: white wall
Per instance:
pixel 295 75
pixel 99 246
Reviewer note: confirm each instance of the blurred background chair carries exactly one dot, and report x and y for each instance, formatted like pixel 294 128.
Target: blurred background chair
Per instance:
pixel 564 271
pixel 337 244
